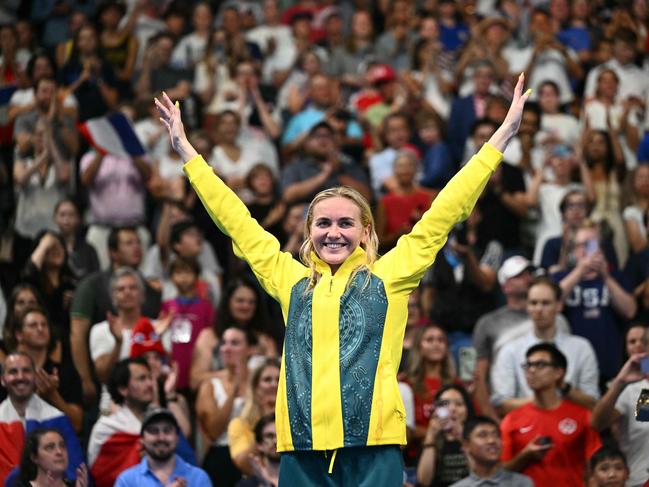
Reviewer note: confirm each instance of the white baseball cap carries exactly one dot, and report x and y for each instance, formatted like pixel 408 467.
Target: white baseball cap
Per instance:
pixel 513 267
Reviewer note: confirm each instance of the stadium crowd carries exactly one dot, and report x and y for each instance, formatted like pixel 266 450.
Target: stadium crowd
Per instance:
pixel 137 349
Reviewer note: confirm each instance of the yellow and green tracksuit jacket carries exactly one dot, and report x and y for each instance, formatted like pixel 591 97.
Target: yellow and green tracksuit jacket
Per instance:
pixel 338 385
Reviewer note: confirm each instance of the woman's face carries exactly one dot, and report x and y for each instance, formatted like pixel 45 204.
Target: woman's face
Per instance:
pixel 24 299
pixel 243 304
pixel 433 345
pixel 267 386
pixel 405 169
pixel 228 128
pixel 336 230
pixel 202 17
pixel 361 25
pixel 548 99
pixel 454 401
pixel 42 69
pixel 262 182
pixel 234 348
pixel 66 218
pixel 55 255
pixel 641 180
pixel 87 41
pixel 607 85
pixel 311 64
pixel 596 146
pixel 635 340
pixel 52 455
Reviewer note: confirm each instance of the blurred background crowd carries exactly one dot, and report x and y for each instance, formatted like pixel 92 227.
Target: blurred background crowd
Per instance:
pixel 106 260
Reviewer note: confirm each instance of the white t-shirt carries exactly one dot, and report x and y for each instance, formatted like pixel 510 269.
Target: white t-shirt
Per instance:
pixel 285 51
pixel 189 51
pixel 634 435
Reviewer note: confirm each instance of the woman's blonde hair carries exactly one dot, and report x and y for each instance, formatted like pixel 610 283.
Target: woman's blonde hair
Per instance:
pixel 416 371
pixel 371 246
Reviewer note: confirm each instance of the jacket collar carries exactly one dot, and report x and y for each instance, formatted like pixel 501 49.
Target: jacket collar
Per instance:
pixel 355 260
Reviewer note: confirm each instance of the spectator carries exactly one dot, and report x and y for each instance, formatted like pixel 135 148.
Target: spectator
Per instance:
pixel 89 76
pixel 549 439
pixel 395 131
pixel 82 258
pixel 385 81
pixel 483 446
pixel 44 461
pixel 496 328
pixel 111 339
pixel 57 382
pixel 402 207
pixel 49 272
pixel 51 112
pixel 294 93
pixel 430 367
pixel 635 213
pixel 322 166
pixel 438 168
pixel 597 300
pixel 22 296
pixel 348 60
pixel 579 383
pixel 92 300
pixel 557 127
pixel 220 399
pixel 323 95
pixel 635 339
pixel 393 46
pixel 608 468
pixel 192 47
pixel 24 411
pixel 442 461
pixel 618 408
pixel 159 437
pixel 190 316
pixel 41 180
pixel 114 443
pixel 117 192
pixel 266 459
pixel 267 205
pixel 261 392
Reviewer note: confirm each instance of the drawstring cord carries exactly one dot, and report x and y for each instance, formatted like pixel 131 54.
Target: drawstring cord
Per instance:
pixel 331 464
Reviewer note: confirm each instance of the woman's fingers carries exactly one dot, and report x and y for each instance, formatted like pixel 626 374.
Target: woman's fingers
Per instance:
pixel 164 112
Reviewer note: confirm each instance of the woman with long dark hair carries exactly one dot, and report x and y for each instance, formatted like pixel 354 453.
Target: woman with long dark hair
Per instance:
pixel 45 459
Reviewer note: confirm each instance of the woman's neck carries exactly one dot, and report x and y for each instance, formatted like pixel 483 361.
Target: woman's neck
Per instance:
pixel 433 369
pixel 264 199
pixel 48 479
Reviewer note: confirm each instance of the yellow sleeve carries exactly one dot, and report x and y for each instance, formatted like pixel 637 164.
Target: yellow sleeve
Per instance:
pixel 277 271
pixel 240 437
pixel 404 265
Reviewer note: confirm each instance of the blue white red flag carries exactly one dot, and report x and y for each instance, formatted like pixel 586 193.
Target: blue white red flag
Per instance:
pixel 112 134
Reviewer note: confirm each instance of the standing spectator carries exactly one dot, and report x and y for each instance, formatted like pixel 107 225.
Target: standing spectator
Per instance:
pixel 550 439
pixel 322 166
pixel 92 300
pixel 49 272
pixel 114 443
pixel 442 461
pixel 438 167
pixel 82 257
pixel 596 300
pixel 636 212
pixel 349 60
pixel 117 192
pixel 192 47
pixel 41 180
pixel 190 316
pixel 24 411
pixel 483 446
pixel 401 208
pixel 22 296
pixel 580 381
pixel 47 109
pixel 56 379
pixel 89 76
pixel 394 45
pixel 396 133
pixel 219 400
pixel 44 461
pixel 261 392
pixel 159 437
pixel 635 339
pixel 430 367
pixel 618 408
pixel 557 127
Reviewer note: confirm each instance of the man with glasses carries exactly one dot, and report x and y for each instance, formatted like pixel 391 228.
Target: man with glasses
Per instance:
pixel 160 464
pixel 266 461
pixel 550 438
pixel 579 384
pixel 597 300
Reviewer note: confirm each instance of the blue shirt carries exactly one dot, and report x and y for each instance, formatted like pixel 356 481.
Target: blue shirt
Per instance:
pixel 141 476
pixel 307 119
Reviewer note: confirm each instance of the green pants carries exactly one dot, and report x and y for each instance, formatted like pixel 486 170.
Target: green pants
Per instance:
pixel 365 466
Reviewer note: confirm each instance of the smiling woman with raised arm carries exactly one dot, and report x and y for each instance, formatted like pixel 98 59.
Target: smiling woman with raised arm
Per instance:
pixel 339 412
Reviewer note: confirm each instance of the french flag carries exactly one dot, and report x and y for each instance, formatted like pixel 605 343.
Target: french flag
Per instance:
pixel 114 446
pixel 38 414
pixel 112 134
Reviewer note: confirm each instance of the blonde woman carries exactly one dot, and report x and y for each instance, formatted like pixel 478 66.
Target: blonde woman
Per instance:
pixel 340 417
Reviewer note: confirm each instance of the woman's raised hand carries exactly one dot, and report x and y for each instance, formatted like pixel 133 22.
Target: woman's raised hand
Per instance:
pixel 170 117
pixel 512 121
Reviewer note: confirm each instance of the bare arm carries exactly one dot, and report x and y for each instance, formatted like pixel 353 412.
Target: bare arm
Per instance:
pixel 202 359
pixel 88 176
pixel 80 357
pixel 213 418
pixel 482 389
